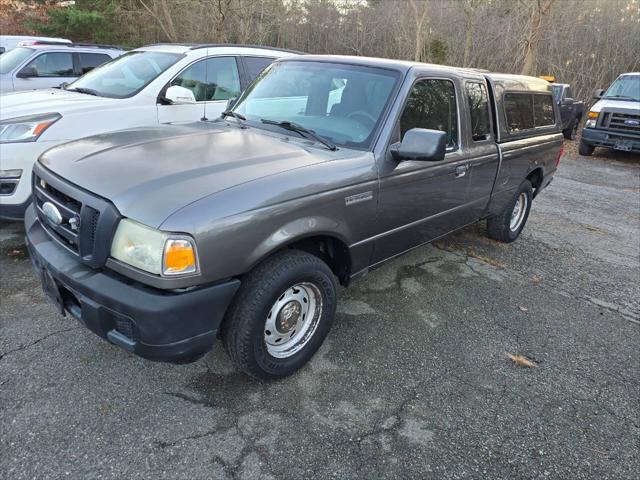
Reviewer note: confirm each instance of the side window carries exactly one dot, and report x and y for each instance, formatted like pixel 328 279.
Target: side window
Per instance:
pixel 518 108
pixel 255 66
pixel 211 79
pixel 89 61
pixel 479 110
pixel 54 64
pixel 568 93
pixel 543 111
pixel 432 104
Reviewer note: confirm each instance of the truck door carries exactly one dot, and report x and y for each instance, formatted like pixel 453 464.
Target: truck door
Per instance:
pixel 420 200
pixel 480 146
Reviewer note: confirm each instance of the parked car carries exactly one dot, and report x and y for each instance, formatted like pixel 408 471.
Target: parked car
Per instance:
pixel 49 65
pixel 571 110
pixel 9 42
pixel 159 238
pixel 614 120
pixel 147 86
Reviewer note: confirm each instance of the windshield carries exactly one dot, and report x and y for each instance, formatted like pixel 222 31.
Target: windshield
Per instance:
pixel 626 87
pixel 341 103
pixel 13 58
pixel 126 75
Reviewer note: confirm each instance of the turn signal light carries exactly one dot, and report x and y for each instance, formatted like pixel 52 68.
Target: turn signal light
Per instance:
pixel 179 257
pixel 592 114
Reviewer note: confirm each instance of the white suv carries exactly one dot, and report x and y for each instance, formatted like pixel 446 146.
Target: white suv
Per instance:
pixel 48 64
pixel 147 86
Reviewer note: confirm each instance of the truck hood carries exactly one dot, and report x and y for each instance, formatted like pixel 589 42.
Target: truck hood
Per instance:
pixel 149 173
pixel 51 100
pixel 624 106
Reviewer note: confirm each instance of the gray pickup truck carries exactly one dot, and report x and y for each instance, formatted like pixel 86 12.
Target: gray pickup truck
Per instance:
pixel 160 239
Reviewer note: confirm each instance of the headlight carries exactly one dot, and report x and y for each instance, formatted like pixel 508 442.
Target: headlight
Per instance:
pixel 591 123
pixel 26 129
pixel 152 250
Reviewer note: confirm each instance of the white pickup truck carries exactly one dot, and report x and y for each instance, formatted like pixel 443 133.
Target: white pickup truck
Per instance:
pixel 147 86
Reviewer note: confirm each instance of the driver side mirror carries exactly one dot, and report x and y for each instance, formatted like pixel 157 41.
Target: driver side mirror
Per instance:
pixel 597 93
pixel 27 72
pixel 421 144
pixel 177 95
pixel 567 101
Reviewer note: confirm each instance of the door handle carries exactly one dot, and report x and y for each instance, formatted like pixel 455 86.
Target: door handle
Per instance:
pixel 461 171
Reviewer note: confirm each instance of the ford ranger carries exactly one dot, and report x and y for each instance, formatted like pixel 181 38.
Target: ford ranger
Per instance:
pixel 161 239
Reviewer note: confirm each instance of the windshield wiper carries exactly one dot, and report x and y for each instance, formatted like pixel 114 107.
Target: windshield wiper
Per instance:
pixel 88 91
pixel 305 132
pixel 623 97
pixel 238 116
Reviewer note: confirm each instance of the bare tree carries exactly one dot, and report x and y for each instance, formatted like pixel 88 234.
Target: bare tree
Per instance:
pixel 419 19
pixel 532 41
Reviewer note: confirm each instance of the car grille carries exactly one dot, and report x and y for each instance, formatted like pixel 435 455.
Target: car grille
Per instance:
pixel 78 220
pixel 623 122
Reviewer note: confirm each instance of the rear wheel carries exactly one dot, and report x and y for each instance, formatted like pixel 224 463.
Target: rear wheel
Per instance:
pixel 281 315
pixel 585 149
pixel 507 225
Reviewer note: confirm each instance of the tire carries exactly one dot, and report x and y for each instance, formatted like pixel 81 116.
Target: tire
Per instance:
pixel 585 149
pixel 500 227
pixel 571 131
pixel 258 315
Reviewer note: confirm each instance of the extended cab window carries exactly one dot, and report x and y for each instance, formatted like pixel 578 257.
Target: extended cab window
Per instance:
pixel 432 104
pixel 54 64
pixel 211 79
pixel 479 110
pixel 89 61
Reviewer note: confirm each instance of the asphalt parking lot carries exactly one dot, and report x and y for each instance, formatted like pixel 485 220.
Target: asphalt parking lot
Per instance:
pixel 413 381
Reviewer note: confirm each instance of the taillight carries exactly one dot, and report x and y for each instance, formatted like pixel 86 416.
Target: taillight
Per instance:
pixel 559 155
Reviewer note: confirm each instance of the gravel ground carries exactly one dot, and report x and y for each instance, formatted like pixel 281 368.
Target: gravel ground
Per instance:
pixel 413 381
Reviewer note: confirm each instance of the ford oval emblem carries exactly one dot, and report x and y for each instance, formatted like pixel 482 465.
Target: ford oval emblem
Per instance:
pixel 632 122
pixel 52 213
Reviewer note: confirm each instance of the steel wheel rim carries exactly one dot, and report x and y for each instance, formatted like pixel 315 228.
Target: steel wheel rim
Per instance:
pixel 292 320
pixel 519 211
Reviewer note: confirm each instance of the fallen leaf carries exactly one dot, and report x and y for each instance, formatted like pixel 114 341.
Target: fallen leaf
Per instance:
pixel 536 279
pixel 521 361
pixel 523 309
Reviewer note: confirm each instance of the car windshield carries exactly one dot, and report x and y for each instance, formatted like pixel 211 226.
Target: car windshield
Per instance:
pixel 13 58
pixel 126 75
pixel 340 103
pixel 626 87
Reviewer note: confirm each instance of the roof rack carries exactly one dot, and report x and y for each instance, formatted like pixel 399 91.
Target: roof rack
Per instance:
pixel 75 44
pixel 196 46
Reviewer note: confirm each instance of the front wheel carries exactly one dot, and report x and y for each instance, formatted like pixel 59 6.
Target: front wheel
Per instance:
pixel 585 149
pixel 508 224
pixel 281 315
pixel 571 131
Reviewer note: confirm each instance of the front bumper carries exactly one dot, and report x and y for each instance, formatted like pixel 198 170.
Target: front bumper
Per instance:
pixel 155 324
pixel 610 139
pixel 14 212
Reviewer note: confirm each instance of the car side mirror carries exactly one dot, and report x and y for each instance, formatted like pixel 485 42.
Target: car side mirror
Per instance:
pixel 177 95
pixel 567 101
pixel 597 93
pixel 27 72
pixel 421 144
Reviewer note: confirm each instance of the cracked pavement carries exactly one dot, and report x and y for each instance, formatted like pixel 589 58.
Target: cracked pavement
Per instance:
pixel 412 382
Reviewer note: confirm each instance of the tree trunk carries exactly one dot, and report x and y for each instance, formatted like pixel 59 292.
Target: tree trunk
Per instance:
pixel 533 38
pixel 419 26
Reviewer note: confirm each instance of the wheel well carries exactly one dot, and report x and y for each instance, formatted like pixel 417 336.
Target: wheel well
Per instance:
pixel 536 178
pixel 331 250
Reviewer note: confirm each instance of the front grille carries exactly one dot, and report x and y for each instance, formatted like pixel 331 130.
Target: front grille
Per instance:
pixel 81 222
pixel 623 122
pixel 66 230
pixel 126 327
